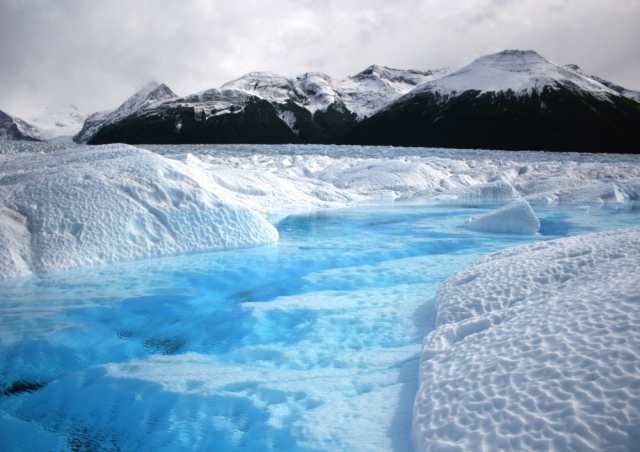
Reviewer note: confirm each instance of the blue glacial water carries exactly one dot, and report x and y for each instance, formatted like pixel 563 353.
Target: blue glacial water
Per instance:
pixel 310 344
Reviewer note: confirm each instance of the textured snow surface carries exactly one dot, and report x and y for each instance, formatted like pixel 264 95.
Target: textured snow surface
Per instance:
pixel 516 70
pixel 277 183
pixel 515 218
pixel 537 348
pixel 88 206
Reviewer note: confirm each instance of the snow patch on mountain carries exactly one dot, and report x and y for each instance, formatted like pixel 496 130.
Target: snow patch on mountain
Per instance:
pixel 289 119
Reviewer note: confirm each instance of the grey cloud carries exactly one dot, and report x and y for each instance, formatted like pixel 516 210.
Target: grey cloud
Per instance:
pixel 95 54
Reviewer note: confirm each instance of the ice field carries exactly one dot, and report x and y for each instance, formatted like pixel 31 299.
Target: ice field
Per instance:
pixel 311 344
pixel 337 286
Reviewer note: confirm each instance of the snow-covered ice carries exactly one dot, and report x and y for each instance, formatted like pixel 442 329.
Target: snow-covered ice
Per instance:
pixel 97 182
pixel 89 206
pixel 537 348
pixel 516 217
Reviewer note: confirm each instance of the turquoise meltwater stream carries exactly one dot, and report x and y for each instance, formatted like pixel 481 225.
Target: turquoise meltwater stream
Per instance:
pixel 309 344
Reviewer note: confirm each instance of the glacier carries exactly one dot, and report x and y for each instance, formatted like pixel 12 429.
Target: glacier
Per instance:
pixel 316 344
pixel 79 205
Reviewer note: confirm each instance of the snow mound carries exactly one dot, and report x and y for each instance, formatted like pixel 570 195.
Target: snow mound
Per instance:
pixel 537 348
pixel 88 206
pixel 515 218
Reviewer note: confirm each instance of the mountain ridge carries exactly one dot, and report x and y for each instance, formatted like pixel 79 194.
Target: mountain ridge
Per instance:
pixel 312 107
pixel 510 100
pixel 481 105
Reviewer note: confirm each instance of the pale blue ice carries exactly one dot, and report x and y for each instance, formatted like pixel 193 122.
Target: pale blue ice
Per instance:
pixel 309 344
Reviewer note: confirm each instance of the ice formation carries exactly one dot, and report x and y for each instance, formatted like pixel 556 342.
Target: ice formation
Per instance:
pixel 89 206
pixel 181 190
pixel 516 217
pixel 530 342
pixel 536 348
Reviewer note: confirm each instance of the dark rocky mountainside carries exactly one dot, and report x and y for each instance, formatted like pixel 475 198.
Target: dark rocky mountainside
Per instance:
pixel 510 100
pixel 12 128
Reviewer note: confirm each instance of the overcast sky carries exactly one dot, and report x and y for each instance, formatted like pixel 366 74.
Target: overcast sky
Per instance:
pixel 96 53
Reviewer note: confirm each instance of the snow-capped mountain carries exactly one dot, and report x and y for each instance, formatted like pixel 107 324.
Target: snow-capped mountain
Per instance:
pixel 13 128
pixel 312 107
pixel 362 94
pixel 56 122
pixel 211 116
pixel 520 71
pixel 150 94
pixel 510 100
pixel 377 86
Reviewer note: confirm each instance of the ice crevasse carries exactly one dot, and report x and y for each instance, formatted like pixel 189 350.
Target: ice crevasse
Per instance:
pixel 90 206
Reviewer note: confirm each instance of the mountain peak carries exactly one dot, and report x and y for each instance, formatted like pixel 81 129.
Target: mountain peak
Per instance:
pixel 380 72
pixel 518 71
pixel 373 69
pixel 513 60
pixel 151 92
pixel 155 90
